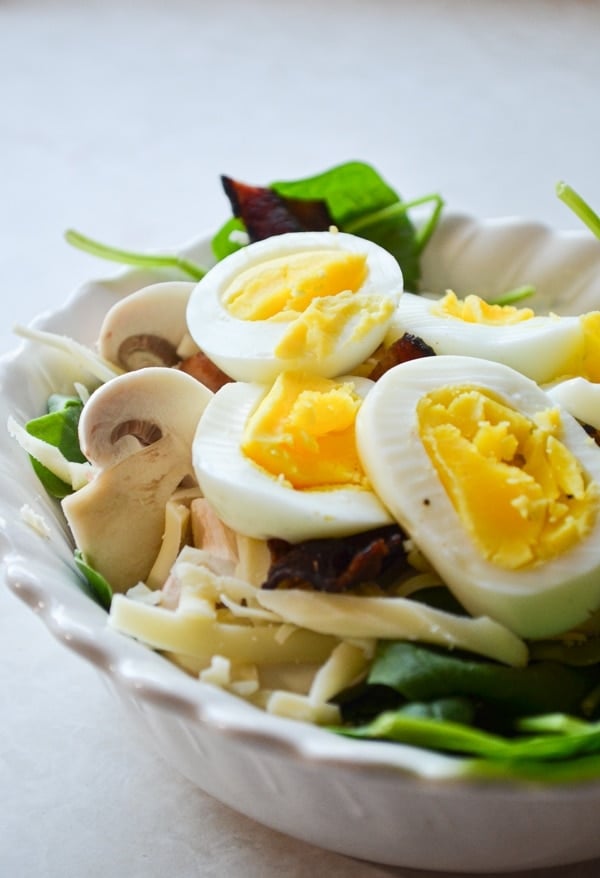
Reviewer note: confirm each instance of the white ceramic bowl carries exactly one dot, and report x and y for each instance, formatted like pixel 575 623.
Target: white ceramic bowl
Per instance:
pixel 383 802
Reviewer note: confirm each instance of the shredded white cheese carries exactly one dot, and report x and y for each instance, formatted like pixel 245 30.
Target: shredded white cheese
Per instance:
pixel 35 521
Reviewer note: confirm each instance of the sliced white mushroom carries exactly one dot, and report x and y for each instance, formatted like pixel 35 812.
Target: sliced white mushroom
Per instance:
pixel 136 409
pixel 137 431
pixel 148 327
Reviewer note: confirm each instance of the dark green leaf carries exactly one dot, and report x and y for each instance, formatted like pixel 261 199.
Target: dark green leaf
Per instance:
pixel 421 673
pixel 59 428
pixel 53 485
pixel 456 710
pixel 434 734
pixel 361 703
pixel 398 238
pixel 351 190
pixel 579 740
pixel 98 586
pixel 222 245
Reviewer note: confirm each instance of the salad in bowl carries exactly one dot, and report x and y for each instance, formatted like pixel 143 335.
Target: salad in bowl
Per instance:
pixel 320 497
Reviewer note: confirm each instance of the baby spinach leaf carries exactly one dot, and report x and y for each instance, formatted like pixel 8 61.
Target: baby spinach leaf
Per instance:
pixel 454 709
pixel 224 243
pixel 58 427
pixel 98 586
pixel 421 673
pixel 446 735
pixel 573 770
pixel 432 733
pixel 351 190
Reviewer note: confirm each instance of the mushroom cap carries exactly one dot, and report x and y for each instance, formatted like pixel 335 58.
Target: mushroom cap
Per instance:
pixel 138 408
pixel 146 328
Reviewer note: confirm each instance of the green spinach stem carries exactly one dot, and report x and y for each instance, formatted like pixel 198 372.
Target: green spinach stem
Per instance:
pixel 423 234
pixel 127 257
pixel 579 207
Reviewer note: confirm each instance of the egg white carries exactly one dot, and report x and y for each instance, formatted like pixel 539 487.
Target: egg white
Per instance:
pixel 255 503
pixel 541 347
pixel 579 397
pixel 533 602
pixel 244 349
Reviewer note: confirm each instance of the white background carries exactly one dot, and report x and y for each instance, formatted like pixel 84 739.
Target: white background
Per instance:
pixel 117 119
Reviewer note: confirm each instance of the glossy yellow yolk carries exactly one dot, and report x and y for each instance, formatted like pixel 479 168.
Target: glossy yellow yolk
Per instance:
pixel 303 432
pixel 290 283
pixel 518 490
pixel 473 309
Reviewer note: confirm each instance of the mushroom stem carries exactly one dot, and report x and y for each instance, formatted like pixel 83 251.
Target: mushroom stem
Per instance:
pixel 118 519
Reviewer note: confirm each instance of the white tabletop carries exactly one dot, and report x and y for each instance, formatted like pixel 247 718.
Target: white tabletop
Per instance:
pixel 117 118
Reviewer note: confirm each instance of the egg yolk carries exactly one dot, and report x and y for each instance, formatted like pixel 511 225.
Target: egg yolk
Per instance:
pixel 317 294
pixel 518 490
pixel 290 283
pixel 303 433
pixel 591 343
pixel 315 333
pixel 473 309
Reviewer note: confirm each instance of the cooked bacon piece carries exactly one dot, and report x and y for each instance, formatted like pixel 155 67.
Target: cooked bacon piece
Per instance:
pixel 339 564
pixel 312 214
pixel 592 431
pixel 209 532
pixel 205 371
pixel 407 347
pixel 265 213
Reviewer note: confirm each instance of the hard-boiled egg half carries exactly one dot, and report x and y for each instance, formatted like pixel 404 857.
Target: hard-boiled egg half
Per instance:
pixel 316 301
pixel 543 347
pixel 580 397
pixel 281 461
pixel 498 487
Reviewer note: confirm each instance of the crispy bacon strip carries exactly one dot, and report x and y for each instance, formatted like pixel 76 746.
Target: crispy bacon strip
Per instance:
pixel 265 213
pixel 312 214
pixel 339 564
pixel 407 347
pixel 205 371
